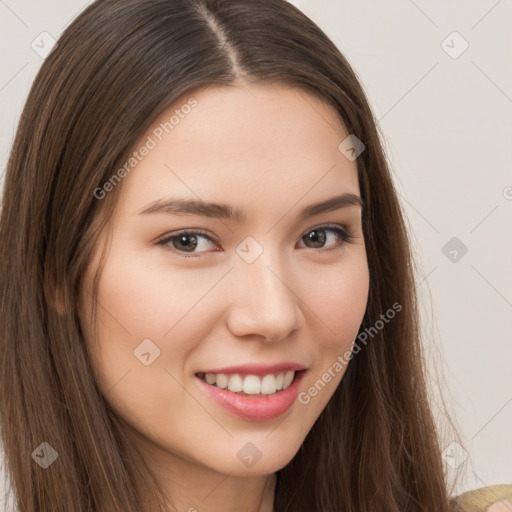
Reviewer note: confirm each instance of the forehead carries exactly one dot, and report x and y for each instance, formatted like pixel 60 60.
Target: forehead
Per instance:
pixel 241 144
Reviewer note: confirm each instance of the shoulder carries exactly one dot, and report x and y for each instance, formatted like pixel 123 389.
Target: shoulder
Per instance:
pixel 493 498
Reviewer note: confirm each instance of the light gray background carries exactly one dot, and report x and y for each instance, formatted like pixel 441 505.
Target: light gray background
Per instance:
pixel 447 130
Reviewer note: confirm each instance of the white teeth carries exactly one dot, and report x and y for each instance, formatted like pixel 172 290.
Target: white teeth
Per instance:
pixel 251 384
pixel 221 380
pixel 268 385
pixel 288 379
pixel 235 383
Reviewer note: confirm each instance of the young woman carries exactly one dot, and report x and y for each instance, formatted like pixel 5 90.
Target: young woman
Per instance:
pixel 207 290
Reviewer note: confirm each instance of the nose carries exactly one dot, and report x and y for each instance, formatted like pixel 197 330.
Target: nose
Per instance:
pixel 263 301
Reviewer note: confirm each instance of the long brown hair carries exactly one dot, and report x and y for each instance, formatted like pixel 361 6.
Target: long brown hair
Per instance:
pixel 114 70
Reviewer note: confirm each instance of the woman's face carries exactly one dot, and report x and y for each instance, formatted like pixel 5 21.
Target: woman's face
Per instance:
pixel 188 290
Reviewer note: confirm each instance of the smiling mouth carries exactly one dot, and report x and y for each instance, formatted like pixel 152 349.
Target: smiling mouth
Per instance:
pixel 251 385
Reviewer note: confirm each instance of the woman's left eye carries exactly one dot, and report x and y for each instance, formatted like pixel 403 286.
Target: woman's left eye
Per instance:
pixel 190 240
pixel 316 235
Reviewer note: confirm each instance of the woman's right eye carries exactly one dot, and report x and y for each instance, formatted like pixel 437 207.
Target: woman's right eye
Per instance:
pixel 185 241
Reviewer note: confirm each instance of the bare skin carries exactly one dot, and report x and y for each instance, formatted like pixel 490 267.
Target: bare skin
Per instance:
pixel 270 151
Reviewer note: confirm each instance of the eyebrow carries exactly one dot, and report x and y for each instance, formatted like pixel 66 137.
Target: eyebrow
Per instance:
pixel 173 206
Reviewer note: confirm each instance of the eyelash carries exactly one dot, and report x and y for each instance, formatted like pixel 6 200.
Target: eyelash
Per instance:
pixel 343 232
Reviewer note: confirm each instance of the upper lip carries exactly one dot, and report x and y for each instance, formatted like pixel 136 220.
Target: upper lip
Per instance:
pixel 258 369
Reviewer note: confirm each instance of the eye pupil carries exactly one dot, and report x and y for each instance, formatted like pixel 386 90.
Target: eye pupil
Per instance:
pixel 317 236
pixel 189 247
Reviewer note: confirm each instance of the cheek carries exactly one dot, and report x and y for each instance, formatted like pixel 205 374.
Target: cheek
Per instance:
pixel 336 300
pixel 144 296
pixel 138 302
pixel 143 299
pixel 336 307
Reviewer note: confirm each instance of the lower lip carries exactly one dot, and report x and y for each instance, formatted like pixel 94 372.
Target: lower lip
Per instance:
pixel 254 408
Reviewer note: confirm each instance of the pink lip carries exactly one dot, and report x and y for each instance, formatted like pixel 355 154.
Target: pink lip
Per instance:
pixel 257 369
pixel 254 408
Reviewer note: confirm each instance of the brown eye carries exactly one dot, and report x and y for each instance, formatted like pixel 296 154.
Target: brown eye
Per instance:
pixel 186 242
pixel 317 237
